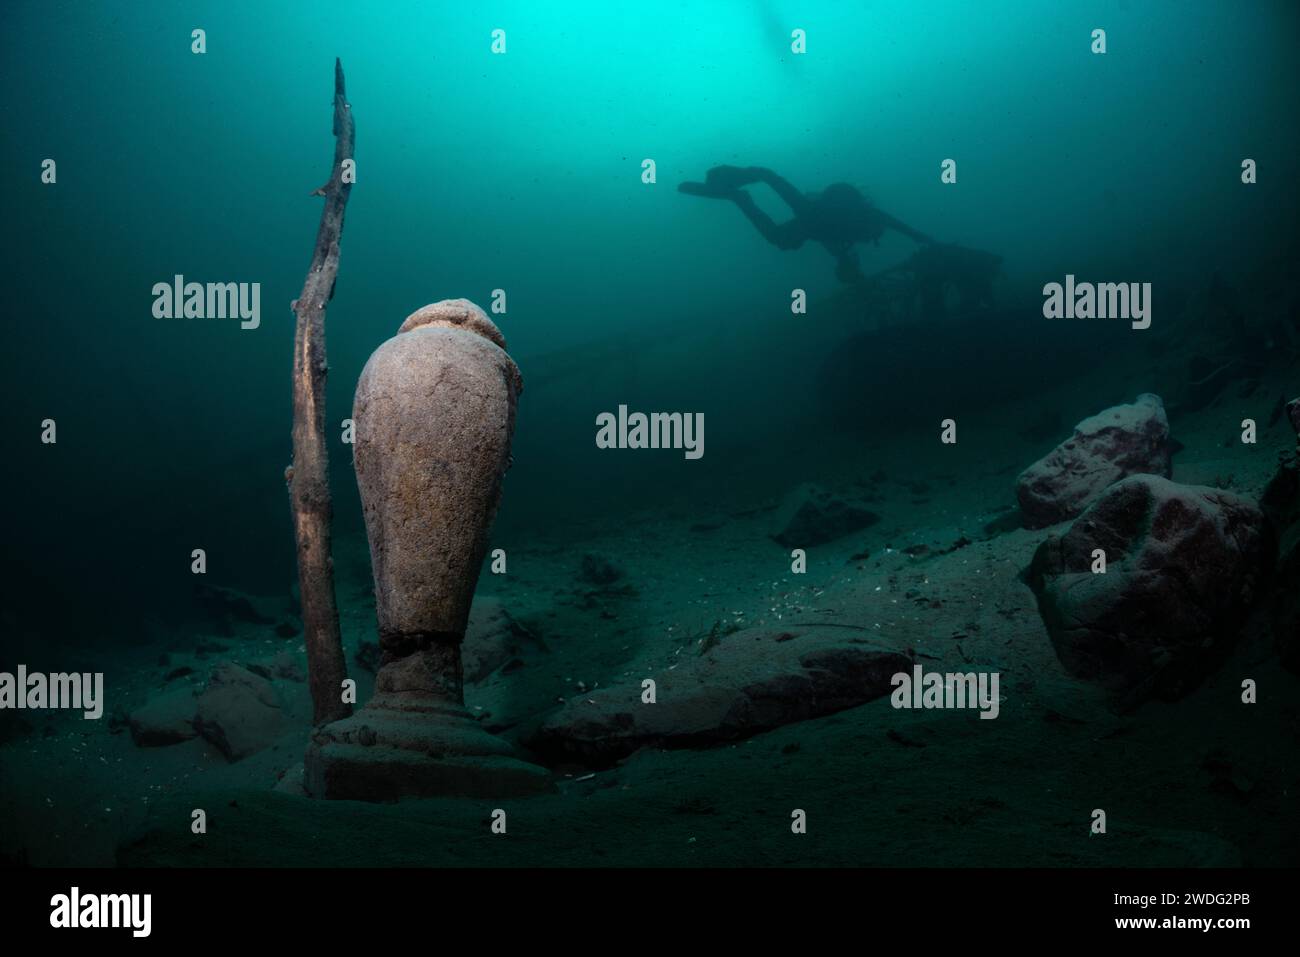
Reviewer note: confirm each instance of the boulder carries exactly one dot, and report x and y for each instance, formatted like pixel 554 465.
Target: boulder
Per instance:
pixel 1183 564
pixel 812 516
pixel 165 719
pixel 1121 441
pixel 747 682
pixel 239 712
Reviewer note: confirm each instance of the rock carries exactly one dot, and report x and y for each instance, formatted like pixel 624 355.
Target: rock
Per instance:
pixel 1121 441
pixel 1226 776
pixel 291 782
pixel 287 627
pixel 281 666
pixel 1182 567
pixel 118 721
pixel 166 719
pixel 813 516
pixel 492 639
pixel 749 681
pixel 599 571
pixel 368 655
pixel 239 712
pixel 1286 610
pixel 224 607
pixel 1281 503
pixel 288 667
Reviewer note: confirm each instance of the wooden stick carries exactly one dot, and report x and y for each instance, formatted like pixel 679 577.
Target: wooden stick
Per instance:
pixel 308 476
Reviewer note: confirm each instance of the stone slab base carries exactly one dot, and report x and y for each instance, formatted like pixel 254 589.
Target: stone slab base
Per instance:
pixel 383 755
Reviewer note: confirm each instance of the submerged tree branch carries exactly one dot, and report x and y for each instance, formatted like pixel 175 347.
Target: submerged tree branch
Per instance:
pixel 308 476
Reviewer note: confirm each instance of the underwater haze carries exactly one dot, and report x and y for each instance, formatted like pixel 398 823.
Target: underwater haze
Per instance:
pixel 524 171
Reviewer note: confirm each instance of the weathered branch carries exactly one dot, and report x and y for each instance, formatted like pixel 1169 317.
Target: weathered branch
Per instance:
pixel 308 476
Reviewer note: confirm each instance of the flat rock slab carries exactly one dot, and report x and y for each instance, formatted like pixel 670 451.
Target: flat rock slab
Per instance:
pixel 749 681
pixel 239 712
pixel 1183 566
pixel 1121 441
